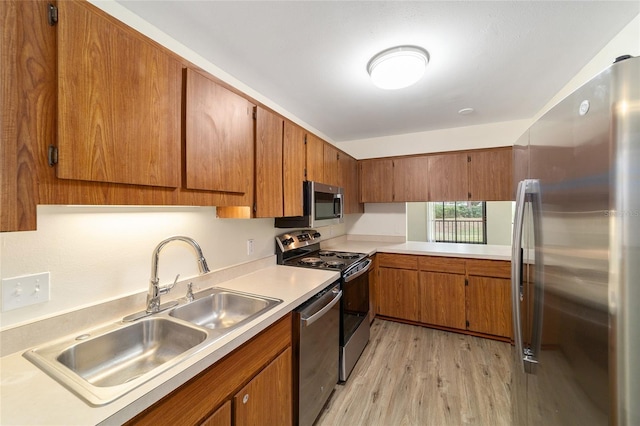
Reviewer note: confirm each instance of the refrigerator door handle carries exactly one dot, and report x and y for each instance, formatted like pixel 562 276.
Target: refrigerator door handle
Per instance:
pixel 516 270
pixel 531 356
pixel 528 190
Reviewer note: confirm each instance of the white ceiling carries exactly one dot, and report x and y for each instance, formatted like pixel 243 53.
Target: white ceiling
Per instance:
pixel 505 59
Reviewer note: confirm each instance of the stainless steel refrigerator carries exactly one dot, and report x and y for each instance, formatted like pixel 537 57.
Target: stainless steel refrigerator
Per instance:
pixel 576 258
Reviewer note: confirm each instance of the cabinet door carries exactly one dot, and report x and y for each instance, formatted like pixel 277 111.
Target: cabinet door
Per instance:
pixel 442 299
pixel 315 158
pixel 119 102
pixel 220 417
pixel 266 399
pixel 331 172
pixel 376 181
pixel 491 175
pixel 410 177
pixel 398 294
pixel 349 173
pixel 489 305
pixel 219 137
pixel 269 183
pixel 293 165
pixel 448 177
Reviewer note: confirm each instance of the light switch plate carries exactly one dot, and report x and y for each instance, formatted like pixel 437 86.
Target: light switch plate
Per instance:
pixel 23 291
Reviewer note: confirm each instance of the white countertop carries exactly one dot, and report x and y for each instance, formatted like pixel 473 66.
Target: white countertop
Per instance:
pixel 472 251
pixel 31 397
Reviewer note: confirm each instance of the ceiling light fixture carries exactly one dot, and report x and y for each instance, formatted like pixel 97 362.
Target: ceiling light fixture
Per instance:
pixel 398 67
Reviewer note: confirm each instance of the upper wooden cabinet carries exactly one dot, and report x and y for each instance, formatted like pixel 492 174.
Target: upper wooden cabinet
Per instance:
pixel 410 178
pixel 269 178
pixel 293 166
pixel 479 175
pixel 315 158
pixel 218 137
pixel 448 177
pixel 376 181
pixel 349 181
pixel 119 102
pixel 331 172
pixel 491 175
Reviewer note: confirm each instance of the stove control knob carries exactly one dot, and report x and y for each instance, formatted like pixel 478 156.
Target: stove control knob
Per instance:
pixel 316 235
pixel 287 242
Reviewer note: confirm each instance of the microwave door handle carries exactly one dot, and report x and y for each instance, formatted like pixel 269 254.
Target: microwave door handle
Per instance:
pixel 337 205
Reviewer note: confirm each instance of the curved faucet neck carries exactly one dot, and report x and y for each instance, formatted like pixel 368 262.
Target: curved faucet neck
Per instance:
pixel 153 297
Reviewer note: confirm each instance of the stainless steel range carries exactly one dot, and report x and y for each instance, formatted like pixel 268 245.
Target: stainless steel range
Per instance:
pixel 302 249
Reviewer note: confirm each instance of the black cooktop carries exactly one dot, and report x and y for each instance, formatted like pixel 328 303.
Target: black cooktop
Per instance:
pixel 325 259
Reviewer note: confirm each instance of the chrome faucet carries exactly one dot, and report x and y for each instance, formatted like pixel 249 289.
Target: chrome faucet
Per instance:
pixel 155 290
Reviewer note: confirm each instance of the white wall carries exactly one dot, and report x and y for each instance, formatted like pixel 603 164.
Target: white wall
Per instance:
pixel 95 254
pixel 499 222
pixel 417 222
pixel 626 42
pixel 384 219
pixel 472 137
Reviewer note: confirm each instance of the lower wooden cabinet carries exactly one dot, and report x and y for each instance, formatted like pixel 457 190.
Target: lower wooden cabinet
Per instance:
pixel 266 399
pixel 489 297
pixel 250 386
pixel 397 294
pixel 473 295
pixel 442 299
pixel 220 417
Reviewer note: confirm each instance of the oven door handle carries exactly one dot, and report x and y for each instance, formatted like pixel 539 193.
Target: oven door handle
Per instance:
pixel 360 272
pixel 313 318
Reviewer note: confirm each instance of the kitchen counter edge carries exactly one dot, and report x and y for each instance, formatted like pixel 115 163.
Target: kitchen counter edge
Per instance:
pixel 469 251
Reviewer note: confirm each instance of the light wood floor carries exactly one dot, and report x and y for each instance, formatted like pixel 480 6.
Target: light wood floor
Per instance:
pixel 411 375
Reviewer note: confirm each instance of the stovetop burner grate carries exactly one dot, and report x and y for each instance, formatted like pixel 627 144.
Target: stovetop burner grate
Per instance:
pixel 311 261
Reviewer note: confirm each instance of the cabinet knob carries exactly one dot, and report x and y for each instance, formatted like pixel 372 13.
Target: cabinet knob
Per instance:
pixel 245 399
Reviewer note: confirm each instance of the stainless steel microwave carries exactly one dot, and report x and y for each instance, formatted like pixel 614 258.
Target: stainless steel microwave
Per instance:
pixel 322 205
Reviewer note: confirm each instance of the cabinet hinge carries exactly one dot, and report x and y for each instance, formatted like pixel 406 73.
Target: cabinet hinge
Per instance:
pixel 305 139
pixel 466 281
pixel 255 207
pixel 467 324
pixel 52 155
pixel 52 14
pixel 468 158
pixel 337 156
pixel 255 113
pixel 305 173
pixel 468 195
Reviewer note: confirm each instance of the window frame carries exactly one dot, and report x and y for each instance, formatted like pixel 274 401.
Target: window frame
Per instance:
pixel 456 221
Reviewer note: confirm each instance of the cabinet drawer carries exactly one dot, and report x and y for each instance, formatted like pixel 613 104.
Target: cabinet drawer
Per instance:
pixel 450 265
pixel 401 261
pixel 489 268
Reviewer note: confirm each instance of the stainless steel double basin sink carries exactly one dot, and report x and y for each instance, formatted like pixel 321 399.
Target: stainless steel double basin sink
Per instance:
pixel 106 363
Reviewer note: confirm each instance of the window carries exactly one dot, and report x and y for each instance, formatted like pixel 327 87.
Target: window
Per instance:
pixel 460 222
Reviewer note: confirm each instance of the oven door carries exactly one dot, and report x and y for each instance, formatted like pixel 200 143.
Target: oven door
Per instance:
pixel 354 322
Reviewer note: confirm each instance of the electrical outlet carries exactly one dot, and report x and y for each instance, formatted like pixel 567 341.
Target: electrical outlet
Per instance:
pixel 24 291
pixel 250 246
